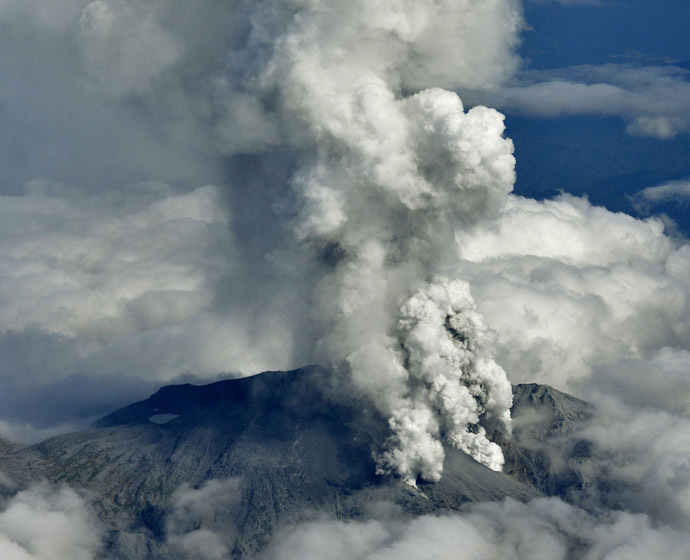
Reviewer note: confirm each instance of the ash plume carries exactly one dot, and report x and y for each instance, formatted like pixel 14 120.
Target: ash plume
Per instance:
pixel 384 180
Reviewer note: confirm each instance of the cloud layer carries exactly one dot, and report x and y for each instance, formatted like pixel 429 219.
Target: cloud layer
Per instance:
pixel 568 286
pixel 653 100
pixel 677 192
pixel 548 529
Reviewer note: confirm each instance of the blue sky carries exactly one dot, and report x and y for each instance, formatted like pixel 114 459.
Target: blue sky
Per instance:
pixel 570 33
pixel 589 152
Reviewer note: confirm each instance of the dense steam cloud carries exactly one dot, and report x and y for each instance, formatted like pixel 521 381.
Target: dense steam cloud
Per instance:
pixel 453 375
pixel 379 173
pixel 196 188
pixel 382 181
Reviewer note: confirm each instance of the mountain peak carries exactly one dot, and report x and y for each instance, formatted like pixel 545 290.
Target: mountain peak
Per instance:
pixel 296 443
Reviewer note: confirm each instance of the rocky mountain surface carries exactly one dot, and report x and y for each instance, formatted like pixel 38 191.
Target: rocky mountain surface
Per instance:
pixel 544 449
pixel 295 444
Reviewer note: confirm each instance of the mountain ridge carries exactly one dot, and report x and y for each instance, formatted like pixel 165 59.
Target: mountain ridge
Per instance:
pixel 298 444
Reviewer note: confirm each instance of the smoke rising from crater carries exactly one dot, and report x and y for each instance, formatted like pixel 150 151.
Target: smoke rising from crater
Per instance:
pixel 384 178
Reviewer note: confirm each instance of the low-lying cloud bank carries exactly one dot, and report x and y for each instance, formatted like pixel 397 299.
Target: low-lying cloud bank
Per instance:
pixel 46 523
pixel 117 289
pixel 546 528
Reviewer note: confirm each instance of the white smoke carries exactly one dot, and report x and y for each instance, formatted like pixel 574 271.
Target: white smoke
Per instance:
pixel 385 179
pixel 448 372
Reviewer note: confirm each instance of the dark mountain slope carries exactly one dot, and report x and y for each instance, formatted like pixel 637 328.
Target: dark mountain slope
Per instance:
pixel 545 450
pixel 298 443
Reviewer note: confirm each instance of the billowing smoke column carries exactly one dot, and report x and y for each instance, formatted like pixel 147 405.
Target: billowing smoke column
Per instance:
pixel 451 381
pixel 388 171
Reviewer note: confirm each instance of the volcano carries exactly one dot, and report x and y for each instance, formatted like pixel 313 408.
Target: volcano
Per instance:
pixel 299 444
